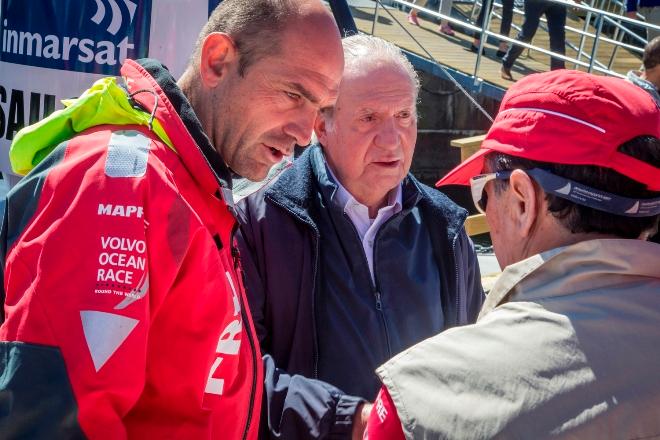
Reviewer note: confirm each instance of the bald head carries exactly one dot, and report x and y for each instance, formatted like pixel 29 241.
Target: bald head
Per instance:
pixel 257 26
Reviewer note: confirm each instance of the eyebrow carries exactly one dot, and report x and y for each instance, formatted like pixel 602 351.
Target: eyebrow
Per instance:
pixel 299 88
pixel 367 109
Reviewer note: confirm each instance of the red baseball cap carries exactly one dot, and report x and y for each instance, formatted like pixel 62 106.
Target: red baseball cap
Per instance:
pixel 573 118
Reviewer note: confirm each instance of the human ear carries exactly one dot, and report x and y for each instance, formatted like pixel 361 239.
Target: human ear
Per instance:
pixel 524 204
pixel 321 128
pixel 217 56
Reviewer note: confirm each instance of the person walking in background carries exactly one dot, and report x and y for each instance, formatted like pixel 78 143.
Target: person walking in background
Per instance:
pixel 650 9
pixel 649 77
pixel 444 8
pixel 556 17
pixel 505 26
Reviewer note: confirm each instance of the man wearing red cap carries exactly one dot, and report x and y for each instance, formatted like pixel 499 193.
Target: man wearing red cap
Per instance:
pixel 566 344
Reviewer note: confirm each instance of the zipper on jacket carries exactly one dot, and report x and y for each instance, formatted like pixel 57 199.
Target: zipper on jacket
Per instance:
pixel 236 260
pixel 317 237
pixel 316 337
pixel 246 324
pixel 253 388
pixel 379 304
pixel 458 301
pixel 458 292
pixel 373 281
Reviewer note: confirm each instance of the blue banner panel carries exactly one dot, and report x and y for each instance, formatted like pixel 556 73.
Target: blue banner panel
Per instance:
pixel 91 36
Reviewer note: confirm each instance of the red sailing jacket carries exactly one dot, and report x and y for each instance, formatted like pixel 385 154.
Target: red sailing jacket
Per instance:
pixel 125 309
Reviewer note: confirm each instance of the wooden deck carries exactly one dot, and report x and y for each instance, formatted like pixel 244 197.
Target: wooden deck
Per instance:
pixel 454 51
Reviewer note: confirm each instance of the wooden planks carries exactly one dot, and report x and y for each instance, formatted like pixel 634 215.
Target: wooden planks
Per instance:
pixel 468 146
pixel 476 224
pixel 454 51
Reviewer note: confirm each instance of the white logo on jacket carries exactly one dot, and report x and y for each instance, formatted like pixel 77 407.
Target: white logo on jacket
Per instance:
pixel 120 210
pixel 228 343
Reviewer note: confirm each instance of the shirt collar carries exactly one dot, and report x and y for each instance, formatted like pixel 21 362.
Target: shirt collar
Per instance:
pixel 635 78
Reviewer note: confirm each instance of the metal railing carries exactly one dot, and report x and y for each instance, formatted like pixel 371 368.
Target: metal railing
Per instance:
pixel 543 25
pixel 428 54
pixel 619 33
pixel 583 59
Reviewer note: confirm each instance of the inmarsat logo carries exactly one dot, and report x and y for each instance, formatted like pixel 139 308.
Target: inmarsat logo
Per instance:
pixel 92 36
pixel 115 24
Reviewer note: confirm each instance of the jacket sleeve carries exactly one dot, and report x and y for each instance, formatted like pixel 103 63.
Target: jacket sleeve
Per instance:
pixel 298 407
pixel 384 423
pixel 631 5
pixel 294 406
pixel 73 348
pixel 469 278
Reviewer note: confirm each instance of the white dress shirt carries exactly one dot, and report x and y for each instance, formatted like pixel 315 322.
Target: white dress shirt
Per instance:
pixel 359 216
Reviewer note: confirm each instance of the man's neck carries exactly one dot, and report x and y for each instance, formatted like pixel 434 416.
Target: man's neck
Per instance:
pixel 189 85
pixel 184 83
pixel 652 76
pixel 562 237
pixel 373 203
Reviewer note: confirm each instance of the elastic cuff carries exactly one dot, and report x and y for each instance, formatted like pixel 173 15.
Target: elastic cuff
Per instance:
pixel 345 410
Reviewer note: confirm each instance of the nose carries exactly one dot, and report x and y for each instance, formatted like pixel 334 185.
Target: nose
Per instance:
pixel 300 125
pixel 388 134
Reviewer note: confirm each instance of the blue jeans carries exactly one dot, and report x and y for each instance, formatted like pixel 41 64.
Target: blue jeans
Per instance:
pixel 556 16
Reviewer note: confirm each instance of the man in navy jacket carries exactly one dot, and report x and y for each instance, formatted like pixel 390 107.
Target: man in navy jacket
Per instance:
pixel 348 258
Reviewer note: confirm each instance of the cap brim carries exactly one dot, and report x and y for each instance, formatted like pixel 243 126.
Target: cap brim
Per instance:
pixel 462 174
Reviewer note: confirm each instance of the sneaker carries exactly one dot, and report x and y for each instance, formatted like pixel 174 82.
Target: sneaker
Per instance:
pixel 447 30
pixel 412 19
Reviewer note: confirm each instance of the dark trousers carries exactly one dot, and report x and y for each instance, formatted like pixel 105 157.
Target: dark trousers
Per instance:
pixel 556 16
pixel 507 16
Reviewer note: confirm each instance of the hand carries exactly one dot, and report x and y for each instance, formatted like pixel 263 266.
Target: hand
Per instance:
pixel 360 420
pixel 632 14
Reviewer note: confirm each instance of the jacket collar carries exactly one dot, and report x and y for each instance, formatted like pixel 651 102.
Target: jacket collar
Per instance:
pixel 295 189
pixel 179 121
pixel 562 271
pixel 634 77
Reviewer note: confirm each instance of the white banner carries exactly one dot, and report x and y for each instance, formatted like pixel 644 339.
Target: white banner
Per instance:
pixel 54 49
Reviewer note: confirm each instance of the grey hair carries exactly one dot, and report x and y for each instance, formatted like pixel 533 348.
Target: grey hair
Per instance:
pixel 362 51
